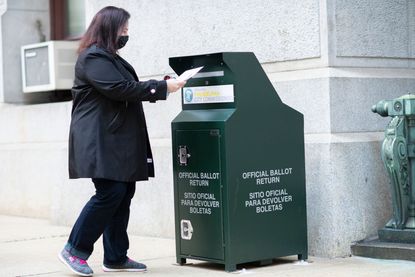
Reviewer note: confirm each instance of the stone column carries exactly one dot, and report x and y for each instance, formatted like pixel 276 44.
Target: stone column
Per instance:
pixel 370 56
pixel 19 27
pixel 3 8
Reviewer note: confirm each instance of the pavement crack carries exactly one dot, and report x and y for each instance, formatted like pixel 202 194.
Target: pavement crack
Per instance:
pixel 158 258
pixel 38 274
pixel 36 238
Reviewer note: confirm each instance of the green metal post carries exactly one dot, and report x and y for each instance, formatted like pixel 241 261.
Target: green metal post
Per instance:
pixel 398 153
pixel 410 223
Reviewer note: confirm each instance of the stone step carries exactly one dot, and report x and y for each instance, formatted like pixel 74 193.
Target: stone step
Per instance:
pixel 374 248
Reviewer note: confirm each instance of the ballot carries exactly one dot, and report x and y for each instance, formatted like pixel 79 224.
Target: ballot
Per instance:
pixel 189 74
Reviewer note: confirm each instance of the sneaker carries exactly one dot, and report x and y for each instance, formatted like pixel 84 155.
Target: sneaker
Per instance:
pixel 75 264
pixel 129 265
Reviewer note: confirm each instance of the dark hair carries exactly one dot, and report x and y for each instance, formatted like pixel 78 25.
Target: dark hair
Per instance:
pixel 104 29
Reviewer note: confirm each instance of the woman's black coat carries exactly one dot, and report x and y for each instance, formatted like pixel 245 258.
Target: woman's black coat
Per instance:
pixel 108 135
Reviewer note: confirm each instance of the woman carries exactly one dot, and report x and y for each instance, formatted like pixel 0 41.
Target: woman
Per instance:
pixel 108 141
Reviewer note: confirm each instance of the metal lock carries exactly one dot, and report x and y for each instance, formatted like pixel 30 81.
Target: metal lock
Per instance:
pixel 183 155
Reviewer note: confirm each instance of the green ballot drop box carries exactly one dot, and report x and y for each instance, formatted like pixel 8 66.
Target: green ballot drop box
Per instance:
pixel 238 165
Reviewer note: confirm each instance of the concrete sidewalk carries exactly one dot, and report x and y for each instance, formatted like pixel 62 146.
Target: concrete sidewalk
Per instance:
pixel 29 247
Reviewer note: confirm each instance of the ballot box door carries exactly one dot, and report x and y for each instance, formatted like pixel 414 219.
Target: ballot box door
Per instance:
pixel 199 191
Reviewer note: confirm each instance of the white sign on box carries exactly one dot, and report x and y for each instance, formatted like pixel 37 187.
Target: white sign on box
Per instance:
pixel 208 94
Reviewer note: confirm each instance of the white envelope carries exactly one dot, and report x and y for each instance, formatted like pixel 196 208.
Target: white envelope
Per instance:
pixel 189 74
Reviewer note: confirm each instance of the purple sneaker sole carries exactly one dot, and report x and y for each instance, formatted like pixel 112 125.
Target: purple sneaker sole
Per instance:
pixel 128 266
pixel 107 269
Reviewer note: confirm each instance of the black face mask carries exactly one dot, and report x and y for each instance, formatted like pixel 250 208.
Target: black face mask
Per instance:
pixel 122 41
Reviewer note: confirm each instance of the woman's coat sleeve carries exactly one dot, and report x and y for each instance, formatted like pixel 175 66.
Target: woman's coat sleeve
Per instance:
pixel 104 75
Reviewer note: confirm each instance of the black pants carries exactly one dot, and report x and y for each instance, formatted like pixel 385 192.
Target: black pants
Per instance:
pixel 107 213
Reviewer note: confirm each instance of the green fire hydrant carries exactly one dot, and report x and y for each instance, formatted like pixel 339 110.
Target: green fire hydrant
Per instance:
pixel 398 155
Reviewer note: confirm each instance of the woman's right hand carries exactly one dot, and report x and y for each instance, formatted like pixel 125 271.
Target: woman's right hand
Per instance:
pixel 174 85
